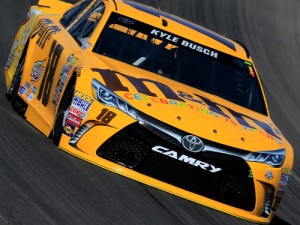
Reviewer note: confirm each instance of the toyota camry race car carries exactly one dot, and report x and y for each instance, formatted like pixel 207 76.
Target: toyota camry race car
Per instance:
pixel 152 97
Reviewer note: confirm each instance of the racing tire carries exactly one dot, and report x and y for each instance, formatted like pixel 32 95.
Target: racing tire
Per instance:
pixel 15 84
pixel 62 113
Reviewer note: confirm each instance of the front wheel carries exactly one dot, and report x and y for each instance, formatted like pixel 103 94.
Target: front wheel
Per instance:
pixel 62 113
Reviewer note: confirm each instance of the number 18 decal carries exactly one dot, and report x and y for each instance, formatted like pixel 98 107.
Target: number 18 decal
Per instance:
pixel 54 55
pixel 106 116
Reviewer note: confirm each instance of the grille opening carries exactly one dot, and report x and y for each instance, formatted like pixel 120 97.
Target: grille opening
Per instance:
pixel 132 147
pixel 124 149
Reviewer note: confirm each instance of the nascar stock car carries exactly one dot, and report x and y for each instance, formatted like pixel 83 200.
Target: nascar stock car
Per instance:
pixel 152 97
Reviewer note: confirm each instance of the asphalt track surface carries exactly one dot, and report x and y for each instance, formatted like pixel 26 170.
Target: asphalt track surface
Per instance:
pixel 41 185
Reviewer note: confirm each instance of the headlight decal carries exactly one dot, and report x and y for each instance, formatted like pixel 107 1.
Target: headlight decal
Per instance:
pixel 109 98
pixel 273 158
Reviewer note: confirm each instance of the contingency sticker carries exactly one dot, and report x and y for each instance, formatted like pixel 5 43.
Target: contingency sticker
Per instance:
pixel 69 129
pixel 78 111
pixel 67 67
pixel 28 91
pixel 82 101
pixel 74 120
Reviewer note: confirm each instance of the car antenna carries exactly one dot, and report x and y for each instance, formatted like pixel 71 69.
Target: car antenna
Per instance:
pixel 160 4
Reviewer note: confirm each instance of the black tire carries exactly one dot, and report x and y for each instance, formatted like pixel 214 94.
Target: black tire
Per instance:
pixel 61 112
pixel 15 84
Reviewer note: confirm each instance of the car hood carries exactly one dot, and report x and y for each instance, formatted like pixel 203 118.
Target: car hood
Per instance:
pixel 191 110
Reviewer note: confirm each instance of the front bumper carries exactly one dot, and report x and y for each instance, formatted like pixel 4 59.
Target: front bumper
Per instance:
pixel 149 155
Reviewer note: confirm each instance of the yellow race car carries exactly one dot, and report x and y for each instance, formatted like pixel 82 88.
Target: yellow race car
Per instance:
pixel 152 97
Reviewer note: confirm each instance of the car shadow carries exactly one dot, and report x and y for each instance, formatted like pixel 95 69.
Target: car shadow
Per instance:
pixel 278 221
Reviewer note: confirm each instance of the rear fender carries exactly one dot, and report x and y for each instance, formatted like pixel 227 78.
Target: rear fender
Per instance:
pixel 19 46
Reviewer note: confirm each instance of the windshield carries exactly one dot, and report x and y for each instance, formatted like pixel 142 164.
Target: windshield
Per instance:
pixel 181 59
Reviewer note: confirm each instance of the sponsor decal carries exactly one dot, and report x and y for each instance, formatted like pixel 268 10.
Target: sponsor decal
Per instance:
pixel 69 129
pixel 78 70
pixel 28 90
pixel 44 29
pixel 30 97
pixel 77 112
pixel 31 87
pixel 74 120
pixel 203 110
pixel 186 159
pixel 269 175
pixel 22 90
pixel 37 70
pixel 81 104
pixel 27 94
pixel 84 97
pixel 67 67
pixel 180 98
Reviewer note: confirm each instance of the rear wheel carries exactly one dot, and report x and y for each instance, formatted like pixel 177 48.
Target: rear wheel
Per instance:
pixel 15 84
pixel 62 113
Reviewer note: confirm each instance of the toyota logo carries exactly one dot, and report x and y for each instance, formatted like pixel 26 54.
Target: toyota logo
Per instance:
pixel 125 20
pixel 192 143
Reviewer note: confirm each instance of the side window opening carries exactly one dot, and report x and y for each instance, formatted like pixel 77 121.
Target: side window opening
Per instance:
pixel 72 14
pixel 84 27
